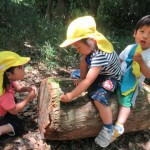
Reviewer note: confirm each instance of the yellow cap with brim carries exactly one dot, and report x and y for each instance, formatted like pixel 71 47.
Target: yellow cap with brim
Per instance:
pixel 85 27
pixel 9 59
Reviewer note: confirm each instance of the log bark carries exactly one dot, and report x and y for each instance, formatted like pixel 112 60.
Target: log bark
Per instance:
pixel 79 118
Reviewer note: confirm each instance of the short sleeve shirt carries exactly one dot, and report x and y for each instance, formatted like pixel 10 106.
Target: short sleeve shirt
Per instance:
pixel 7 101
pixel 145 54
pixel 108 61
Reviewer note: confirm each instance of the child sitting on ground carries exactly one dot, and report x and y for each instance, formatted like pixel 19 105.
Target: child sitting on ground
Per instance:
pixel 11 70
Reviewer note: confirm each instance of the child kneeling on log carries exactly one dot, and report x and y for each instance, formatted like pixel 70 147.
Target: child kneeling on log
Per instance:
pixel 100 71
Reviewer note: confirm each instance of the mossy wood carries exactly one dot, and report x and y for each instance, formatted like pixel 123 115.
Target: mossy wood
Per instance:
pixel 79 118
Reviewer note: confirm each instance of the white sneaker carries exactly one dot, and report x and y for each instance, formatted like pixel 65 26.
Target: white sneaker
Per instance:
pixel 105 137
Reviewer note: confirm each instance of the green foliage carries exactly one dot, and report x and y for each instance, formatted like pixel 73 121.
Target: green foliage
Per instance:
pixel 121 14
pixel 116 19
pixel 78 8
pixel 26 29
pixel 22 26
pixel 120 42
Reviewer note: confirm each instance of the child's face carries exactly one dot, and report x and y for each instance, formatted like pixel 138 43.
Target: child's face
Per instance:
pixel 82 47
pixel 142 37
pixel 18 74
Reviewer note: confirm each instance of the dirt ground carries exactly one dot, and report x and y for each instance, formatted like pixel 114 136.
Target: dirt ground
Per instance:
pixel 31 138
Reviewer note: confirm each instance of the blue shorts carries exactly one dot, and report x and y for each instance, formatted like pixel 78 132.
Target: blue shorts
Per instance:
pixel 101 88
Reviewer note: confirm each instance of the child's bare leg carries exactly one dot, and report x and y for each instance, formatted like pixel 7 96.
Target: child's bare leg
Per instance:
pixel 104 112
pixel 123 114
pixel 5 129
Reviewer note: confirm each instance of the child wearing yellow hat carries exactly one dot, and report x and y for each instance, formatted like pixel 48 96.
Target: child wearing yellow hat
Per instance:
pixel 11 70
pixel 100 71
pixel 142 57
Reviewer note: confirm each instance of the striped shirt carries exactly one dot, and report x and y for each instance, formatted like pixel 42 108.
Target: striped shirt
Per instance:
pixel 108 61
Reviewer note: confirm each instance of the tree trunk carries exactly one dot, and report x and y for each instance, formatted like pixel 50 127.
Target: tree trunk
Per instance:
pixel 80 118
pixel 59 11
pixel 49 9
pixel 94 5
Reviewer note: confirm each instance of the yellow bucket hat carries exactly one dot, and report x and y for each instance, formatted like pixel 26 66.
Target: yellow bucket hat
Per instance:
pixel 9 59
pixel 85 27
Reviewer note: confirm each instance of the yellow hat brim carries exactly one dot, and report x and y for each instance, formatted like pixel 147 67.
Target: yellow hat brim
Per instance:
pixel 18 62
pixel 69 42
pixel 85 27
pixel 102 42
pixel 21 61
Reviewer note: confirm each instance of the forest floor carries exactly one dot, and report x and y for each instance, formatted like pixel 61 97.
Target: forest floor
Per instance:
pixel 31 138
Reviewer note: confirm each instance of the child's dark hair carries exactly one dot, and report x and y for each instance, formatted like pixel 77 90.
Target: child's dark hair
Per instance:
pixel 6 82
pixel 145 21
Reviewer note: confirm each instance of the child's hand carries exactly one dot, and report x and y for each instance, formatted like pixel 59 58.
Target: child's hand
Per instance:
pixel 32 88
pixel 77 81
pixel 138 58
pixel 65 97
pixel 35 89
pixel 32 94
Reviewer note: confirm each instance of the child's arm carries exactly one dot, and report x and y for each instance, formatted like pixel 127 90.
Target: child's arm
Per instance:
pixel 20 89
pixel 144 68
pixel 19 106
pixel 84 84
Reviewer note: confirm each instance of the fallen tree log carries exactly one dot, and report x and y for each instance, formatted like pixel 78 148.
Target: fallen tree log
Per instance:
pixel 79 118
